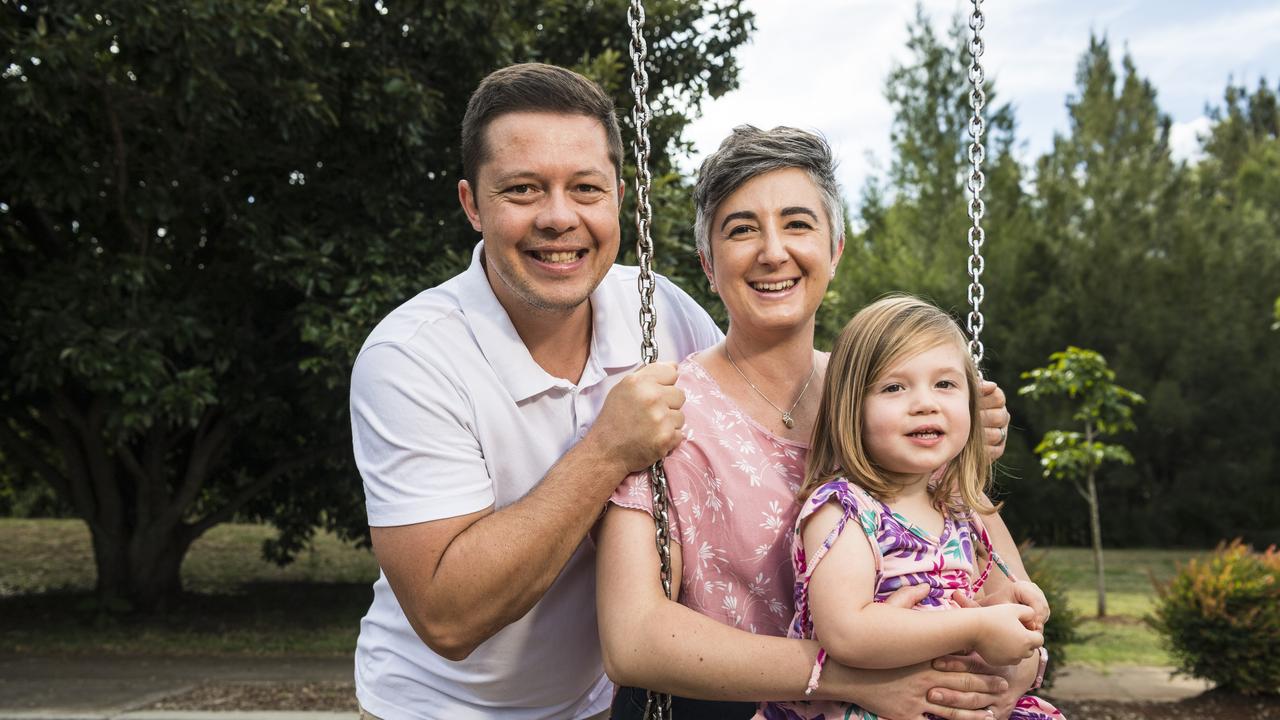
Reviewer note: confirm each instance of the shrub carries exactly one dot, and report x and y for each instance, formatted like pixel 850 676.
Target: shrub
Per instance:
pixel 1064 622
pixel 1220 618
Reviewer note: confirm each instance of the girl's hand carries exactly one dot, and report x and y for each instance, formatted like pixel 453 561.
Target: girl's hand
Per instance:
pixel 1002 634
pixel 1023 592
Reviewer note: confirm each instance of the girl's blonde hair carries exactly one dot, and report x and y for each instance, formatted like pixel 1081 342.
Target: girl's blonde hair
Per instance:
pixel 880 336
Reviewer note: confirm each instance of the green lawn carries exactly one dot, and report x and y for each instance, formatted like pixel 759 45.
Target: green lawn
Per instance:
pixel 1122 638
pixel 239 604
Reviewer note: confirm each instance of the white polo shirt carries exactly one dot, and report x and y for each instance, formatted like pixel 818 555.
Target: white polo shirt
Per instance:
pixel 450 414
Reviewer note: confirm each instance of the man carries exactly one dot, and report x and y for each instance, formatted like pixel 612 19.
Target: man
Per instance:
pixel 493 416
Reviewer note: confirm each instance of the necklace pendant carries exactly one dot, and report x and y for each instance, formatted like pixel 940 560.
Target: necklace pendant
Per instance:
pixel 788 420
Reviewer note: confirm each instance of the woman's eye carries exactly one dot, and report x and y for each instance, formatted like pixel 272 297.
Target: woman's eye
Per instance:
pixel 737 230
pixel 799 225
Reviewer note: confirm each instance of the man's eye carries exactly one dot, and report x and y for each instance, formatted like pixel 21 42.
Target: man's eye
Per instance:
pixel 522 189
pixel 585 188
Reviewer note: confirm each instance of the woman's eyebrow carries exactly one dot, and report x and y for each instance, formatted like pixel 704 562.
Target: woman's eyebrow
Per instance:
pixel 799 210
pixel 740 215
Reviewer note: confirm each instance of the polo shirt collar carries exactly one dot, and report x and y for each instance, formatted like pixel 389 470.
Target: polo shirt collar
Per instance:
pixel 615 335
pixel 615 330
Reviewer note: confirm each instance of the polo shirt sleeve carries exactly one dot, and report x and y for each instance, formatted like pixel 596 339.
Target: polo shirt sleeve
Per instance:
pixel 413 433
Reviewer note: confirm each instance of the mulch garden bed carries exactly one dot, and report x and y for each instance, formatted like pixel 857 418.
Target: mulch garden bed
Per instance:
pixel 340 697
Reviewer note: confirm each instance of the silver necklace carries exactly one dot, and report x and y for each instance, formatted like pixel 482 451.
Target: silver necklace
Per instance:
pixel 787 420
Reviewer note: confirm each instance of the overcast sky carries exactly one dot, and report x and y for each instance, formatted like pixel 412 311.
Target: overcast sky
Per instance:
pixel 821 64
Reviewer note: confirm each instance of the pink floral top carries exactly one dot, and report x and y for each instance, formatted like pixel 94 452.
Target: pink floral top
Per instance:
pixel 733 491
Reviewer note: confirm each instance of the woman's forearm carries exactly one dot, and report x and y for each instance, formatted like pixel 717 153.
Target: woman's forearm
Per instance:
pixel 677 650
pixel 652 642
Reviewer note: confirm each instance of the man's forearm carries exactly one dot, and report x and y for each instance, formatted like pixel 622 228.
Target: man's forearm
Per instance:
pixel 494 571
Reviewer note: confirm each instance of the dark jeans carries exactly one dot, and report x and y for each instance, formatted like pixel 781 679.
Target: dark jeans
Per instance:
pixel 628 704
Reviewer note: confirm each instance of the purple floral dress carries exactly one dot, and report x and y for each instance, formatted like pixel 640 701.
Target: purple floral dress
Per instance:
pixel 905 555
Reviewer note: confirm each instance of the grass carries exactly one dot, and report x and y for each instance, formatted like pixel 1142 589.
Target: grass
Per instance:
pixel 236 603
pixel 1121 638
pixel 239 604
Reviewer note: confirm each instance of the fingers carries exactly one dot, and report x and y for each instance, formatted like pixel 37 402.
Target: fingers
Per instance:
pixel 960 677
pixel 964 601
pixel 991 396
pixel 971 663
pixel 641 420
pixel 907 597
pixel 951 713
pixel 962 695
pixel 994 419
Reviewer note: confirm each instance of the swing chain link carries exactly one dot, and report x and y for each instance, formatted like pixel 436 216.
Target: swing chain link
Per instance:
pixel 657 705
pixel 976 182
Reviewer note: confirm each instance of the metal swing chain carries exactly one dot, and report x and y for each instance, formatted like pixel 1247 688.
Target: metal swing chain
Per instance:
pixel 976 182
pixel 657 705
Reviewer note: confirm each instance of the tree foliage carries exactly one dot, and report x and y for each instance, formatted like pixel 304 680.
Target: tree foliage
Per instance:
pixel 1169 268
pixel 1101 408
pixel 205 207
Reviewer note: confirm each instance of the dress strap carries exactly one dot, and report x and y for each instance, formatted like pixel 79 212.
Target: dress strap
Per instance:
pixel 993 558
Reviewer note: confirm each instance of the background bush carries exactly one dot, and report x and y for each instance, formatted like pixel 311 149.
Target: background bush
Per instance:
pixel 1221 618
pixel 1064 622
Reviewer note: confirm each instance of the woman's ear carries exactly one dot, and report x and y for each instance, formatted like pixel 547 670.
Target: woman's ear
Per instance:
pixel 835 261
pixel 707 270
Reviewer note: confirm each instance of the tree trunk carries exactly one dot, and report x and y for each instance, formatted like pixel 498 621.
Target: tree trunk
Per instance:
pixel 1095 529
pixel 140 568
pixel 1095 526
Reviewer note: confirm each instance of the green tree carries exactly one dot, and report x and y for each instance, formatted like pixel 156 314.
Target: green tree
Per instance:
pixel 913 223
pixel 205 207
pixel 1102 409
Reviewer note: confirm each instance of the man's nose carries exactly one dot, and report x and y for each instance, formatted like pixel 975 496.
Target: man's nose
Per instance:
pixel 557 214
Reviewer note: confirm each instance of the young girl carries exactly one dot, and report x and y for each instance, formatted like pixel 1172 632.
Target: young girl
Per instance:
pixel 898 462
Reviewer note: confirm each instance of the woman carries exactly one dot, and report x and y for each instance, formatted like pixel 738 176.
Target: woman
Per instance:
pixel 770 234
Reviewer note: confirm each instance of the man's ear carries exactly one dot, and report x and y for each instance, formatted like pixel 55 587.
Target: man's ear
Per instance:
pixel 467 199
pixel 706 269
pixel 622 192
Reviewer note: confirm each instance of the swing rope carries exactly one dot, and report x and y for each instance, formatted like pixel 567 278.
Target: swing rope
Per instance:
pixel 657 705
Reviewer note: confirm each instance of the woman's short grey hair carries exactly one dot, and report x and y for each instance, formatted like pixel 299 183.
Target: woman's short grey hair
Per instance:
pixel 750 151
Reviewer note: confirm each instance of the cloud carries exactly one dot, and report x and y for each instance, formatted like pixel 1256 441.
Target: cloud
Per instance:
pixel 822 64
pixel 1184 139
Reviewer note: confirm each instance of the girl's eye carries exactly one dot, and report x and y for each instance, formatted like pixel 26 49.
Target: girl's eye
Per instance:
pixel 892 387
pixel 948 384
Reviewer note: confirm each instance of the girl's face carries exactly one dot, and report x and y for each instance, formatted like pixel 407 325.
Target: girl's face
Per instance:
pixel 771 252
pixel 916 415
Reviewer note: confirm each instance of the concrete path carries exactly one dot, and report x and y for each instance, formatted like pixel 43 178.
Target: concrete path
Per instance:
pixel 34 687
pixel 1125 683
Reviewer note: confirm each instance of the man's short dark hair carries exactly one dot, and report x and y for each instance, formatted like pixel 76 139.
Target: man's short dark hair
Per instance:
pixel 534 87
